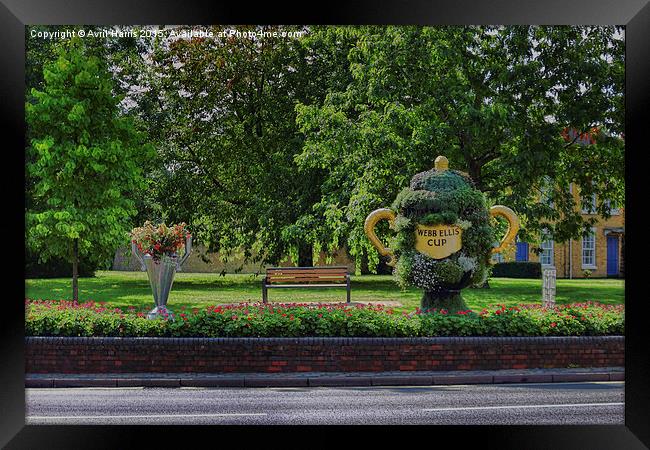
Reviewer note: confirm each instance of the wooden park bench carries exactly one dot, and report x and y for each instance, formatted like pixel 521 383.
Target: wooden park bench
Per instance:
pixel 305 277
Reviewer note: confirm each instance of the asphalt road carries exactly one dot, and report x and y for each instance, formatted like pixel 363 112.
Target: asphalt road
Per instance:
pixel 506 404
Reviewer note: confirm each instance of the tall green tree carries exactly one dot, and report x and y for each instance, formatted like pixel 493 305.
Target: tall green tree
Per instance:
pixel 222 114
pixel 84 159
pixel 120 54
pixel 494 100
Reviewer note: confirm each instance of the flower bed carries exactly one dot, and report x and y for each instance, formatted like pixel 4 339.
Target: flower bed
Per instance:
pixel 63 318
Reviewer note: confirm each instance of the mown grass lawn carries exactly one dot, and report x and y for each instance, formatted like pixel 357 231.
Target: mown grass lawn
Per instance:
pixel 191 290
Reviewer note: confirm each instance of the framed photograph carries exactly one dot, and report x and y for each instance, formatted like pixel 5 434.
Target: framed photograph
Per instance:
pixel 473 168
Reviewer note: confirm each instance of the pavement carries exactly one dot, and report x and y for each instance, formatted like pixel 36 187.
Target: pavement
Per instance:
pixel 325 379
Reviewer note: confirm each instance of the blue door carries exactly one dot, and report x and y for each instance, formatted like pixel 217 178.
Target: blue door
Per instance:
pixel 522 251
pixel 612 255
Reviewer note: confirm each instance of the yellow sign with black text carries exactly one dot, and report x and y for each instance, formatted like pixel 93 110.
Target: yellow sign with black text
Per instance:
pixel 438 241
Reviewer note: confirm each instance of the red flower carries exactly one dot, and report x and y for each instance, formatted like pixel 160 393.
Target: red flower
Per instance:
pixel 553 324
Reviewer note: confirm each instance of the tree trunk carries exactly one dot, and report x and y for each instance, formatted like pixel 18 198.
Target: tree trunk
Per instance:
pixel 365 270
pixel 75 270
pixel 305 257
pixel 449 300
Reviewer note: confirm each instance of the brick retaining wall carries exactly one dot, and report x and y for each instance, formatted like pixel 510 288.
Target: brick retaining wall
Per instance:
pixel 228 355
pixel 244 355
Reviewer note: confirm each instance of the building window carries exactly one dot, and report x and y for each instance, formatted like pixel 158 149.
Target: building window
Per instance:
pixel 589 204
pixel 546 257
pixel 614 210
pixel 589 250
pixel 497 258
pixel 547 192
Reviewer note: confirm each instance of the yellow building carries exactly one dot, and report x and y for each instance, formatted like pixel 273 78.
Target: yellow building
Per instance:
pixel 599 255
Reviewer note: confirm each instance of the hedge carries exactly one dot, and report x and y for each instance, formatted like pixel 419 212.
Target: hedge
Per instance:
pixel 64 318
pixel 517 269
pixel 55 267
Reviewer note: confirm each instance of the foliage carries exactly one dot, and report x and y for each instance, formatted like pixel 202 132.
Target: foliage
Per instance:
pixel 159 240
pixel 517 269
pixel 221 114
pixel 55 267
pixel 442 197
pixel 282 146
pixel 51 318
pixel 118 53
pixel 494 100
pixel 84 159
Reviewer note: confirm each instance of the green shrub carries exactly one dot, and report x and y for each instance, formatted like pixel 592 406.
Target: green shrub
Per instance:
pixel 62 318
pixel 455 203
pixel 517 269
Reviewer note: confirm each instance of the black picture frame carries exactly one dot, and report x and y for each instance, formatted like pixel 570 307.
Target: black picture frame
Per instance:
pixel 634 14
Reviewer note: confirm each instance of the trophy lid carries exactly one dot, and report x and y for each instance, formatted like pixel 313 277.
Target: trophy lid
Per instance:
pixel 441 163
pixel 441 178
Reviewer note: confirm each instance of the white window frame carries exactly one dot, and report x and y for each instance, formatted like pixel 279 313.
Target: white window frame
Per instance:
pixel 592 206
pixel 498 258
pixel 552 253
pixel 546 191
pixel 612 211
pixel 589 266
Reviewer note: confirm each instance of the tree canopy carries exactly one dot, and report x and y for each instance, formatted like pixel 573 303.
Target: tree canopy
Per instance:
pixel 494 100
pixel 222 113
pixel 84 160
pixel 281 146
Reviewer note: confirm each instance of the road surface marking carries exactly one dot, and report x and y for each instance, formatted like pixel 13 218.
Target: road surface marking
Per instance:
pixel 146 416
pixel 474 408
pixel 61 390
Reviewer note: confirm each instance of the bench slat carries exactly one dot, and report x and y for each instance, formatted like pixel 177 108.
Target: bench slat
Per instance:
pixel 307 268
pixel 298 280
pixel 296 274
pixel 305 285
pixel 306 277
pixel 305 272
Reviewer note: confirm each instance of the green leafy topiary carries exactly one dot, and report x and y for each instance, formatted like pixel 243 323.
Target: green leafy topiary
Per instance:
pixel 442 197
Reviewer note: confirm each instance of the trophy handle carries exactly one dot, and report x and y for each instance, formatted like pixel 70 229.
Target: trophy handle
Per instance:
pixel 513 225
pixel 136 252
pixel 369 229
pixel 188 249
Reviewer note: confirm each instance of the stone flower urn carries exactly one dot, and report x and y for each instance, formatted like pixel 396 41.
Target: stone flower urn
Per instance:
pixel 444 235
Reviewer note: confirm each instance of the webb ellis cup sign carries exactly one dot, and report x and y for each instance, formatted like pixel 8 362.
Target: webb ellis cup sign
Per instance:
pixel 438 241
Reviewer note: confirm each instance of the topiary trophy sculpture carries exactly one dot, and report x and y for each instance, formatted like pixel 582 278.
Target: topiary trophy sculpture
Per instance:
pixel 444 238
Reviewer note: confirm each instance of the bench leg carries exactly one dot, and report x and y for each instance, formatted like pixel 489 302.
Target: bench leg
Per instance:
pixel 348 288
pixel 265 293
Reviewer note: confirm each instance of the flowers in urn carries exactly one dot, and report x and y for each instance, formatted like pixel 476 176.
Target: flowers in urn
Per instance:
pixel 156 248
pixel 160 240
